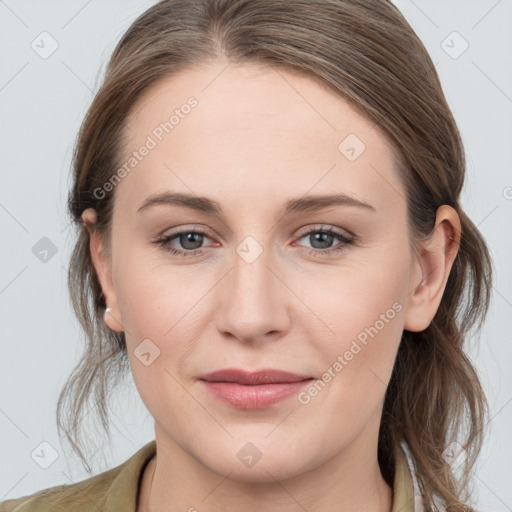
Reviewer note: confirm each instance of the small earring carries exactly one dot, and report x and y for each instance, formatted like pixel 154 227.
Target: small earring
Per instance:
pixel 108 310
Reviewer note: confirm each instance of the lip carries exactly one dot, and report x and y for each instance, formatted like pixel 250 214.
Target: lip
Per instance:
pixel 265 376
pixel 253 390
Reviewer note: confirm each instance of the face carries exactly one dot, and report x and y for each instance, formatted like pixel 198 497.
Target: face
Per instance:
pixel 266 274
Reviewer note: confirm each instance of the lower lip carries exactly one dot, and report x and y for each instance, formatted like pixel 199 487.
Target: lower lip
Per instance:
pixel 254 397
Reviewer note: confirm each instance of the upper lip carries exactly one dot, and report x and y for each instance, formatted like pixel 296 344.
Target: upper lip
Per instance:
pixel 265 376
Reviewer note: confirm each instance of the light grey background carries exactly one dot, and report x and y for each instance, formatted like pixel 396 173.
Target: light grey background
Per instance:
pixel 42 102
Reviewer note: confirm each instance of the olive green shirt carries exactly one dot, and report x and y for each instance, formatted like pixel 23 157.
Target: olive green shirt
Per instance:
pixel 116 490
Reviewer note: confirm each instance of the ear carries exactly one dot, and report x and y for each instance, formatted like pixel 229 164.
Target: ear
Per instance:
pixel 433 265
pixel 103 270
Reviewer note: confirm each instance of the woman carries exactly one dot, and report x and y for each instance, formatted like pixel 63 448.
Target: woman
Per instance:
pixel 271 239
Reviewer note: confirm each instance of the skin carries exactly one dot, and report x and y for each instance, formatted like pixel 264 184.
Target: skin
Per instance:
pixel 258 137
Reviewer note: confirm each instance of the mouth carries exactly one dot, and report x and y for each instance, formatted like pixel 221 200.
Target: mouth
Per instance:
pixel 253 390
pixel 267 376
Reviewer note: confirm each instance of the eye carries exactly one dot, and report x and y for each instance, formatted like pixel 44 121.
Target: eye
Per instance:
pixel 322 238
pixel 190 239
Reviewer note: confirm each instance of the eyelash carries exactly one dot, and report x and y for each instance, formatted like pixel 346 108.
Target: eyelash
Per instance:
pixel 164 242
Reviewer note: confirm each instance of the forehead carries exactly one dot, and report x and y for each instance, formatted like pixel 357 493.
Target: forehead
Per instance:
pixel 254 130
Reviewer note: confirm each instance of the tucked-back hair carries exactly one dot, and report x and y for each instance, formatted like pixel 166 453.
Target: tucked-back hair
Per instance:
pixel 367 53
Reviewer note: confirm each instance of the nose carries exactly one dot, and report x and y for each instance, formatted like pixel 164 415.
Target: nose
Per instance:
pixel 254 303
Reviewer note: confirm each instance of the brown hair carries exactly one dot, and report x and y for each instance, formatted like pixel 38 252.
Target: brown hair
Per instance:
pixel 367 53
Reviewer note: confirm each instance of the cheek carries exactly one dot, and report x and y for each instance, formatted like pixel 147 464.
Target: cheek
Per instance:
pixel 347 299
pixel 153 293
pixel 359 312
pixel 151 312
pixel 163 312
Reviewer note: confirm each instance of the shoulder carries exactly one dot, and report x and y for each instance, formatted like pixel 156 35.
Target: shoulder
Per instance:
pixel 78 496
pixel 106 491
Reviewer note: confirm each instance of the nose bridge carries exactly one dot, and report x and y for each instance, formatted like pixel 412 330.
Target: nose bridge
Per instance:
pixel 251 274
pixel 252 302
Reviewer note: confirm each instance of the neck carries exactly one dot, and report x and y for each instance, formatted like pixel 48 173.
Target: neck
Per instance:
pixel 351 480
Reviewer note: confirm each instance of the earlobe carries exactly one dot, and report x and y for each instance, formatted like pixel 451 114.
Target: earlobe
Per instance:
pixel 103 272
pixel 433 266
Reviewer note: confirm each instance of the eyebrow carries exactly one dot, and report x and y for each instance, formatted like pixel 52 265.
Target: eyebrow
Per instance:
pixel 203 204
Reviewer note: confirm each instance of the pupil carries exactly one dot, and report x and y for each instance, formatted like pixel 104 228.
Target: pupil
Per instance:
pixel 324 239
pixel 191 237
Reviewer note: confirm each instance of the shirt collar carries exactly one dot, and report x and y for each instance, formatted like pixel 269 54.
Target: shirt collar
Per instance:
pixel 124 488
pixel 405 484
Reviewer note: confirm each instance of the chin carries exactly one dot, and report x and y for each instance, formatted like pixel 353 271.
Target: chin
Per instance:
pixel 261 460
pixel 263 472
